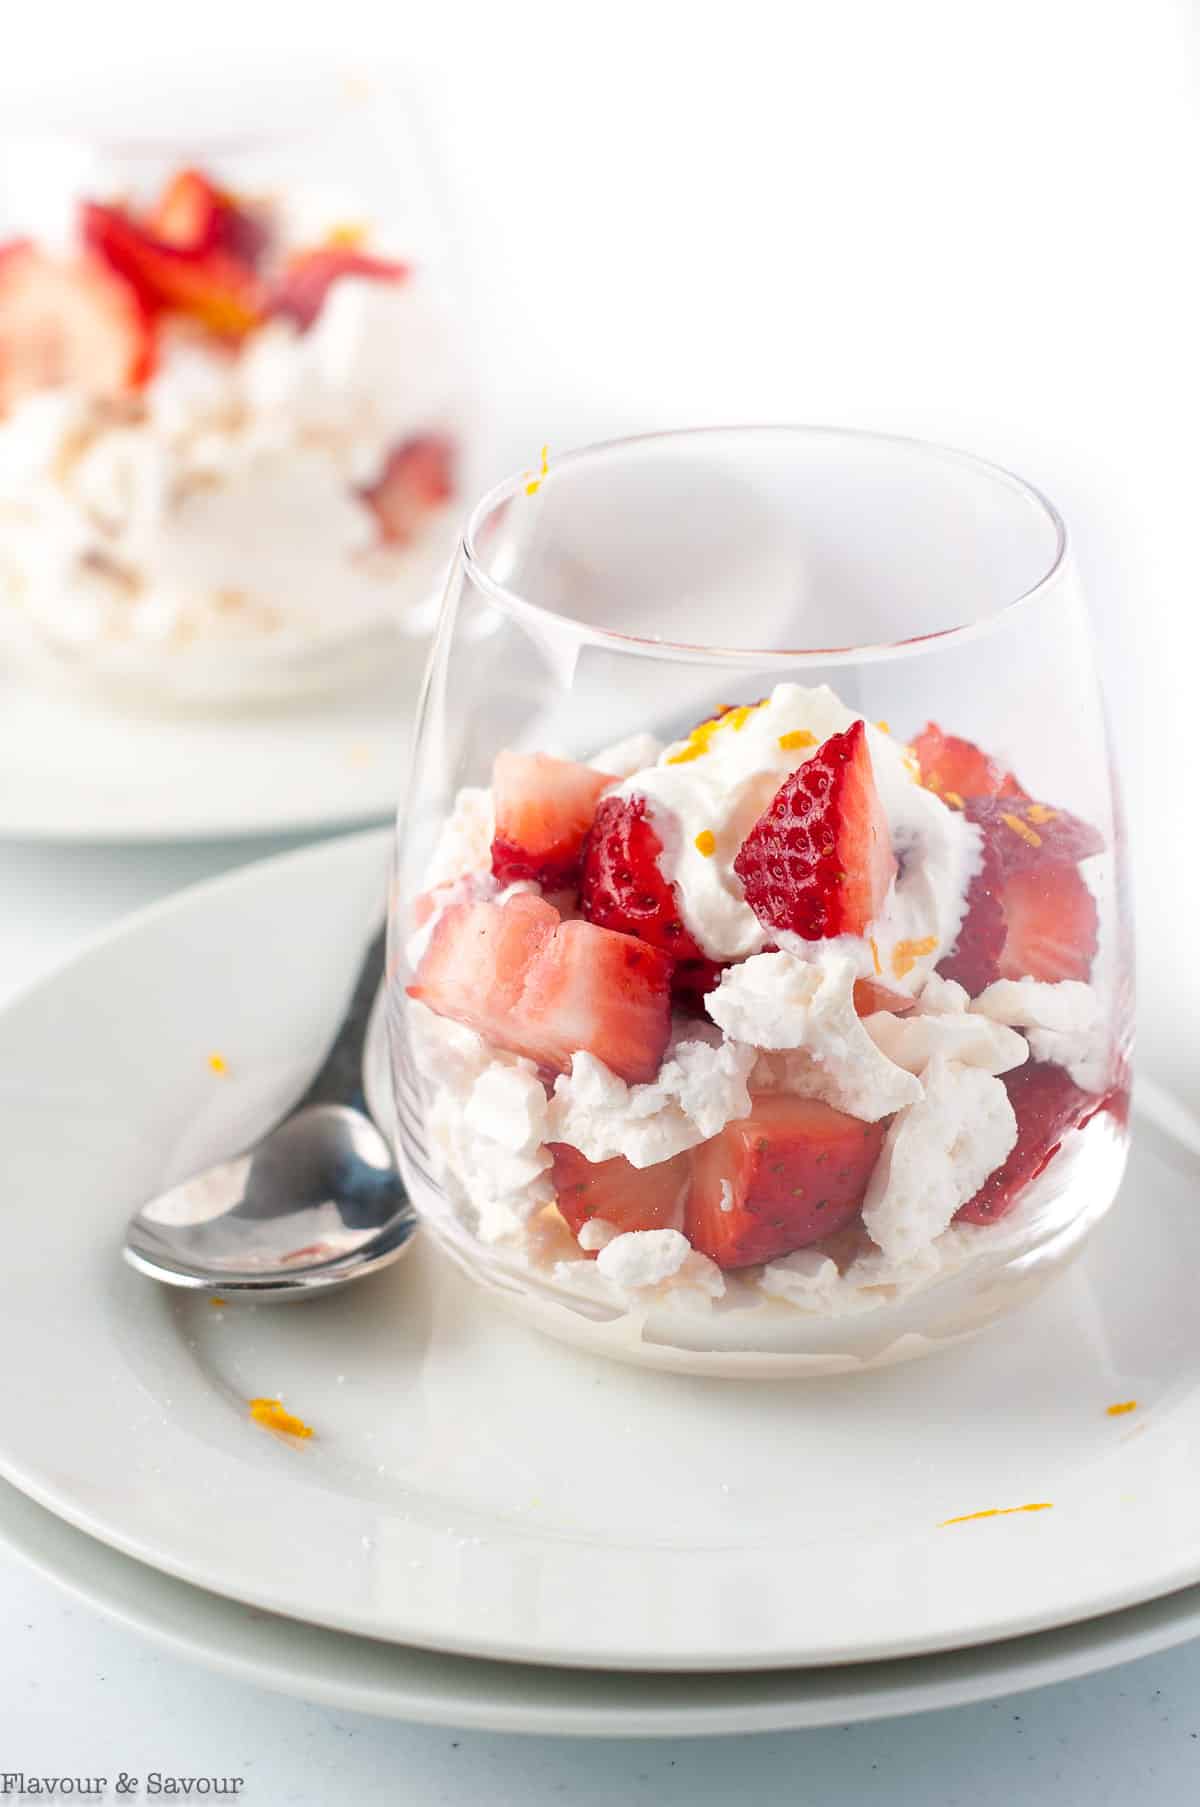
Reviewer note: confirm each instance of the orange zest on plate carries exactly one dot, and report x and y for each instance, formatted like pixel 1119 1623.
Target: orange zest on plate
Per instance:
pixel 967 1518
pixel 1122 1406
pixel 271 1412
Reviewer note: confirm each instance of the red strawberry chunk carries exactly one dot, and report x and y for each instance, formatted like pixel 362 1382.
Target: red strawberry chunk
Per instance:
pixel 209 285
pixel 623 886
pixel 300 294
pixel 1047 1104
pixel 628 1197
pixel 70 323
pixel 791 1173
pixel 974 960
pixel 870 996
pixel 1051 924
pixel 547 989
pixel 950 764
pixel 417 477
pixel 819 859
pixel 1024 834
pixel 194 215
pixel 544 808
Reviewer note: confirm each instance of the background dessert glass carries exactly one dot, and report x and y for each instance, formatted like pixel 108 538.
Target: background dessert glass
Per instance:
pixel 641 586
pixel 241 485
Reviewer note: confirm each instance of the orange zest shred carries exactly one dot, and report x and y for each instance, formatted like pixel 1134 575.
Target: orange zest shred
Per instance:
pixel 535 483
pixel 798 737
pixel 1022 828
pixel 1123 1406
pixel 1037 812
pixel 700 739
pixel 347 235
pixel 967 1518
pixel 216 1301
pixel 218 1064
pixel 271 1413
pixel 883 727
pixel 954 800
pixel 905 954
pixel 706 842
pixel 874 947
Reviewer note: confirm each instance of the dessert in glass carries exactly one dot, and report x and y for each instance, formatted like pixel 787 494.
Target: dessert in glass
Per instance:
pixel 233 408
pixel 760 993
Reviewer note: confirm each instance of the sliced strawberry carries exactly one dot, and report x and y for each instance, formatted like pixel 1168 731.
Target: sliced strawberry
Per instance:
pixel 71 323
pixel 793 1171
pixel 623 886
pixel 1024 834
pixel 870 996
pixel 300 293
pixel 1051 923
pixel 194 215
pixel 548 989
pixel 418 477
pixel 819 859
pixel 210 285
pixel 974 960
pixel 544 808
pixel 628 1197
pixel 1047 1104
pixel 959 766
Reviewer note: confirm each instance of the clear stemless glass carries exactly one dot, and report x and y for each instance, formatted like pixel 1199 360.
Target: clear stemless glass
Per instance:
pixel 760 992
pixel 236 411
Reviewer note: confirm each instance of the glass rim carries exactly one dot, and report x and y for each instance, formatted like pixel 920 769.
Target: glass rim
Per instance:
pixel 645 646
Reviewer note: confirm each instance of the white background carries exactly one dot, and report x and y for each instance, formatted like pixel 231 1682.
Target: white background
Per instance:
pixel 975 221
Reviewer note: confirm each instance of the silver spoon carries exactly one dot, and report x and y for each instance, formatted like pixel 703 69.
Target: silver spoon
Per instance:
pixel 316 1203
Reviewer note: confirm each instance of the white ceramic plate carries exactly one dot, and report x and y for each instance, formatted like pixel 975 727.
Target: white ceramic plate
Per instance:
pixel 73 769
pixel 388 1680
pixel 476 1489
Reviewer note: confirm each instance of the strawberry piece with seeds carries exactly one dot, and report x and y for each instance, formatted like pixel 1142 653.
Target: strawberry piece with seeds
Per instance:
pixel 1047 1103
pixel 819 860
pixel 68 324
pixel 949 763
pixel 628 1197
pixel 300 294
pixel 791 1173
pixel 1051 924
pixel 209 285
pixel 417 478
pixel 544 809
pixel 974 960
pixel 622 885
pixel 517 974
pixel 1023 834
pixel 194 215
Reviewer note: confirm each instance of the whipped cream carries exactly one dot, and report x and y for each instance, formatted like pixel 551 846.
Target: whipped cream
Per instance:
pixel 725 789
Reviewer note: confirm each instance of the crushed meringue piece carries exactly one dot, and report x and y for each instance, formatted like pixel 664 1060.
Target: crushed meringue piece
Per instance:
pixel 936 1156
pixel 1064 1023
pixel 643 1257
pixel 699 1089
pixel 596 1234
pixel 805 1013
pixel 912 1041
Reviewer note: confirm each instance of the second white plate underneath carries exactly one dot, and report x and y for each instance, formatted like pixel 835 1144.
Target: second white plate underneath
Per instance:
pixel 474 1488
pixel 73 769
pixel 396 1682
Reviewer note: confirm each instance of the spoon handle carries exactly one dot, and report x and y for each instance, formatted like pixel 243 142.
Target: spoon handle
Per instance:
pixel 339 1080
